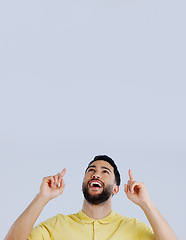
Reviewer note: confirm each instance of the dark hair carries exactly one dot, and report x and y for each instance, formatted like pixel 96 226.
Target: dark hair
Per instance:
pixel 111 162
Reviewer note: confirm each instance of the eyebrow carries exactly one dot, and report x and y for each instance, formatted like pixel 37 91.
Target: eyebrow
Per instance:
pixel 94 166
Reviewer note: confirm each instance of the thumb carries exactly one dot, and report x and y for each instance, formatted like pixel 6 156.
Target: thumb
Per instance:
pixel 126 188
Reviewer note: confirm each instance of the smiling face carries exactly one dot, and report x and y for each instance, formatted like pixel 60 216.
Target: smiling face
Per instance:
pixel 99 182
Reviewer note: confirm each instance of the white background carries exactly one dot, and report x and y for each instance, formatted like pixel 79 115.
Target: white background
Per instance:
pixel 82 78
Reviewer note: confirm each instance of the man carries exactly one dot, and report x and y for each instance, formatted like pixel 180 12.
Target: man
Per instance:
pixel 96 220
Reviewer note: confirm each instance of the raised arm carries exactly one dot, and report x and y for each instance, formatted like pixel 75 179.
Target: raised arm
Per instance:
pixel 51 187
pixel 137 193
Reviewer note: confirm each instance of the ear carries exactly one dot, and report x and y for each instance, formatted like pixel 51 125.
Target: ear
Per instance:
pixel 116 189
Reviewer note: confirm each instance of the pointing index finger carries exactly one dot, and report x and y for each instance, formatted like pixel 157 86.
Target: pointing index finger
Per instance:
pixel 130 175
pixel 63 172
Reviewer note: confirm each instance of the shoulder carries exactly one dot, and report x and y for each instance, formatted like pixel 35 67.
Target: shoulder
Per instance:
pixel 132 221
pixel 142 230
pixel 53 226
pixel 125 219
pixel 67 218
pixel 51 222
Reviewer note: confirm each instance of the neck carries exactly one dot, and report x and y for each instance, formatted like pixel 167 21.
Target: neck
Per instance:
pixel 97 212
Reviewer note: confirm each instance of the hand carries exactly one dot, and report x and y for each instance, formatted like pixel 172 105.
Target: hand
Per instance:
pixel 136 191
pixel 52 186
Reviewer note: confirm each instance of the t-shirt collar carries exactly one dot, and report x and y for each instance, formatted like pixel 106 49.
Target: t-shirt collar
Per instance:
pixel 87 219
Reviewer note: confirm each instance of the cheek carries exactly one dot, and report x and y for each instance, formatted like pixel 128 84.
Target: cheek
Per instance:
pixel 85 180
pixel 88 176
pixel 108 178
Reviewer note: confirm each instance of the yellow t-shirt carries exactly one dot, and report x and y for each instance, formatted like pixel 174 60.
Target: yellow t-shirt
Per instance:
pixel 80 227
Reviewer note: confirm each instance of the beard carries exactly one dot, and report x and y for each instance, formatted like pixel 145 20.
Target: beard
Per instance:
pixel 98 198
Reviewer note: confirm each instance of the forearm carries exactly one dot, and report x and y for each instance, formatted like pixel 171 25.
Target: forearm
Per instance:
pixel 22 227
pixel 161 228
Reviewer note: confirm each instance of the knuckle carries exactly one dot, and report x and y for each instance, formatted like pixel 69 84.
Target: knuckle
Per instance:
pixel 45 178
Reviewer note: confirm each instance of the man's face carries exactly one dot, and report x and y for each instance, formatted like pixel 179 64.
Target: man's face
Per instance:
pixel 99 182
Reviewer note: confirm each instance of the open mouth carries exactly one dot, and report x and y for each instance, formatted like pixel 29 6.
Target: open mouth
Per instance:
pixel 95 184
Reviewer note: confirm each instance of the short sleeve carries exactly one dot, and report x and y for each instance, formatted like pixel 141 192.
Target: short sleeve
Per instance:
pixel 144 231
pixel 43 230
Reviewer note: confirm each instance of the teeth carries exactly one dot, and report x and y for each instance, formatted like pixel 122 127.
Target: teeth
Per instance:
pixel 92 183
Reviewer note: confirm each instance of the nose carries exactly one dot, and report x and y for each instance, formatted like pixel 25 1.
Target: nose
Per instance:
pixel 96 175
